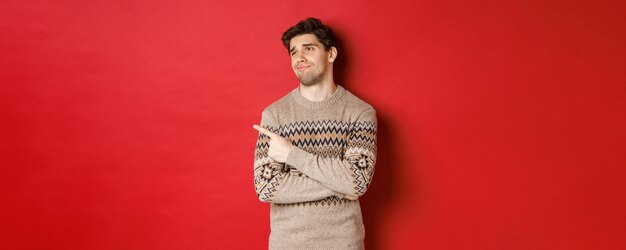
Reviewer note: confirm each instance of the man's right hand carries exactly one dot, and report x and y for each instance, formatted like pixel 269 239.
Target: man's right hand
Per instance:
pixel 279 147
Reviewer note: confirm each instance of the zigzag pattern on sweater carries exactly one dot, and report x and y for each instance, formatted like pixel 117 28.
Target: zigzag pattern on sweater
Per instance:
pixel 330 138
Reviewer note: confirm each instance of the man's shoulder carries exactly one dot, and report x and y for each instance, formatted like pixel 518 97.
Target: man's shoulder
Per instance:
pixel 357 104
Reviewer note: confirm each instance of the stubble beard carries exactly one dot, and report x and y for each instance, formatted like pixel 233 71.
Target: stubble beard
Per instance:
pixel 310 79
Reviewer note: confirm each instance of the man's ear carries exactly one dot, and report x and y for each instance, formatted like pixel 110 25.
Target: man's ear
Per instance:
pixel 333 54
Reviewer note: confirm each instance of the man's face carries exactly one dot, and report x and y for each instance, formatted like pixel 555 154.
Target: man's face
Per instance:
pixel 309 60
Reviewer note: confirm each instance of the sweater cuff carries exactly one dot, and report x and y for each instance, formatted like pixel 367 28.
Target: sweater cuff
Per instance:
pixel 297 158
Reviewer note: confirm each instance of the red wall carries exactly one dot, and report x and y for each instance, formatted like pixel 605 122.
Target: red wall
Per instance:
pixel 128 124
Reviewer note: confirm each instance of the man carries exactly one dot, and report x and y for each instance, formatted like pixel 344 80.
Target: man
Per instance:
pixel 316 151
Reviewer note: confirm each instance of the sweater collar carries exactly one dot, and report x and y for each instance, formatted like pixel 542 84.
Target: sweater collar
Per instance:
pixel 334 98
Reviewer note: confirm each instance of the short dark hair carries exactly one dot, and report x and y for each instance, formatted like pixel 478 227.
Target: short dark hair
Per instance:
pixel 313 26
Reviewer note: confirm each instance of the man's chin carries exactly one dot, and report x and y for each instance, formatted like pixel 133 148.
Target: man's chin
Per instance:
pixel 308 82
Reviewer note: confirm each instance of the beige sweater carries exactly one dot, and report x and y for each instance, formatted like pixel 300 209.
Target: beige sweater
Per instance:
pixel 335 153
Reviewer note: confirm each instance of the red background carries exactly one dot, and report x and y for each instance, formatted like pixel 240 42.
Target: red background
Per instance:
pixel 128 124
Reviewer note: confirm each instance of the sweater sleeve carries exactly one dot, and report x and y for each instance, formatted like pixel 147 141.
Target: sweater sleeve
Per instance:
pixel 278 183
pixel 353 173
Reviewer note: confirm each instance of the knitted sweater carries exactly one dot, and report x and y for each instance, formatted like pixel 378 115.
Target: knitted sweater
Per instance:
pixel 334 155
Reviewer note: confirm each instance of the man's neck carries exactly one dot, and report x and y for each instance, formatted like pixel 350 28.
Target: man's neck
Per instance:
pixel 318 92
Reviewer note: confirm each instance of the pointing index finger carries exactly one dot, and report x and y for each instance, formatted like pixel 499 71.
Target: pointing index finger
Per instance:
pixel 265 131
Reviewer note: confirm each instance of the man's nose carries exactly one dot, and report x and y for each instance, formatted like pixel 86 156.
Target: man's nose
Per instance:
pixel 301 58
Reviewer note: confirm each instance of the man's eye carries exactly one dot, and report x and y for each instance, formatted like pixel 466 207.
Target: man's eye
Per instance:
pixel 308 48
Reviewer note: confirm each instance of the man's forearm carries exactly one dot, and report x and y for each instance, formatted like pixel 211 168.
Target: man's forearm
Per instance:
pixel 296 188
pixel 343 176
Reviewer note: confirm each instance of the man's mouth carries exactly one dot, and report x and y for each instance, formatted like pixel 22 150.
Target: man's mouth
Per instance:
pixel 302 67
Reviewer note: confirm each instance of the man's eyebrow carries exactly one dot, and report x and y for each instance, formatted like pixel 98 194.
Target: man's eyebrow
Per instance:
pixel 310 44
pixel 304 45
